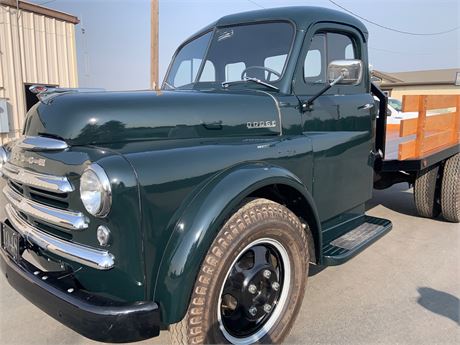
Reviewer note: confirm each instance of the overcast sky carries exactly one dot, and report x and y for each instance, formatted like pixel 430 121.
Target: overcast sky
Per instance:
pixel 113 38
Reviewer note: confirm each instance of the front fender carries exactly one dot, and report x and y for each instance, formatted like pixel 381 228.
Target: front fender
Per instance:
pixel 199 224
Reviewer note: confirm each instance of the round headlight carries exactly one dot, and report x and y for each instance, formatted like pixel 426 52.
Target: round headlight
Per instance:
pixel 95 191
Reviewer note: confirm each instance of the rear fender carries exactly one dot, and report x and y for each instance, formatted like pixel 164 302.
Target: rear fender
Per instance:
pixel 194 232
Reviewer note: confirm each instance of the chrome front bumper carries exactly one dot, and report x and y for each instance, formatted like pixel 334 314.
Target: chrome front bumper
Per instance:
pixel 95 258
pixel 101 319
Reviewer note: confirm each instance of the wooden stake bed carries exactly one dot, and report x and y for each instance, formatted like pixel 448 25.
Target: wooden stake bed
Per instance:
pixel 418 142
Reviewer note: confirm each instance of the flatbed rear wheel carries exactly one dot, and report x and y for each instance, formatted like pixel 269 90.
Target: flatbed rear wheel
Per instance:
pixel 252 281
pixel 426 192
pixel 450 190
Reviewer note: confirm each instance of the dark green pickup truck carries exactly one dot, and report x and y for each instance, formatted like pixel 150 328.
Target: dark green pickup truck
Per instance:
pixel 199 207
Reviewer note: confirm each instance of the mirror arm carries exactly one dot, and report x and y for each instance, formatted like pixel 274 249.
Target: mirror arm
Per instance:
pixel 306 106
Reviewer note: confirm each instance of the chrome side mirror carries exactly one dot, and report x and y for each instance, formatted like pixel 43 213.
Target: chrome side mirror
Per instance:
pixel 340 72
pixel 351 72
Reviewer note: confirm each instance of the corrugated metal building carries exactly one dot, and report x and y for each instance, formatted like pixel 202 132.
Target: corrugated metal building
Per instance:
pixel 37 46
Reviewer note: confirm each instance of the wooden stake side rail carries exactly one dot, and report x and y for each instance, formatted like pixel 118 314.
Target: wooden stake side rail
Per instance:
pixel 432 133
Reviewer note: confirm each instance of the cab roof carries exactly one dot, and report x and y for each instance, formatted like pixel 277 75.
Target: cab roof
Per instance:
pixel 302 16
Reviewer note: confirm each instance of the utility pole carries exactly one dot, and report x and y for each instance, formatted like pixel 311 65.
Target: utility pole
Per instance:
pixel 154 46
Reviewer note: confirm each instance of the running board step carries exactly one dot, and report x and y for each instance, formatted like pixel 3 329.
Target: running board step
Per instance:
pixel 355 241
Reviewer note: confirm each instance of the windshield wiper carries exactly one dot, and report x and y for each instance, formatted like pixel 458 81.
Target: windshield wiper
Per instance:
pixel 226 84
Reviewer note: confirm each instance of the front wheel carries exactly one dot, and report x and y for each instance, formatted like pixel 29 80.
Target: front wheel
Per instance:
pixel 252 281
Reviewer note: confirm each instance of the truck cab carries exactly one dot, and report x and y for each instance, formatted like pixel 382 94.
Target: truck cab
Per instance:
pixel 293 58
pixel 199 207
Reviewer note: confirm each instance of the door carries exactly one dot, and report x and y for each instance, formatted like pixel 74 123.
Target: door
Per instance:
pixel 339 123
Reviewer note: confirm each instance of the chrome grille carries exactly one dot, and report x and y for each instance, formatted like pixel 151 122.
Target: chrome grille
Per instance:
pixel 16 187
pixel 38 208
pixel 61 218
pixel 50 183
pixel 43 198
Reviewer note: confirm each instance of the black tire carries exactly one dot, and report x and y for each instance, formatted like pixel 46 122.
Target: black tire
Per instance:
pixel 450 190
pixel 426 193
pixel 262 222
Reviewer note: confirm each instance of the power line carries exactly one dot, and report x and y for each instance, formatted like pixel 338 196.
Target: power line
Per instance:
pixel 255 3
pixel 46 2
pixel 392 29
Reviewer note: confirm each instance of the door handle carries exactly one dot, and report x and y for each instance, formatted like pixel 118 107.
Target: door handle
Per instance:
pixel 213 125
pixel 366 106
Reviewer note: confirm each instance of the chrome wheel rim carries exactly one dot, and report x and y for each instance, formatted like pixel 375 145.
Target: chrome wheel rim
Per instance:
pixel 254 292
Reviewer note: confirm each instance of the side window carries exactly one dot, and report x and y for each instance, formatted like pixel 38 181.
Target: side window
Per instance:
pixel 183 74
pixel 315 62
pixel 340 47
pixel 187 71
pixel 350 52
pixel 326 47
pixel 233 71
pixel 188 61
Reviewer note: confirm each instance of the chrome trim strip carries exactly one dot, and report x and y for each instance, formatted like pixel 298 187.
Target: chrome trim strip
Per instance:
pixel 3 159
pixel 366 106
pixel 11 168
pixel 106 202
pixel 277 105
pixel 55 184
pixel 95 258
pixel 41 144
pixel 61 218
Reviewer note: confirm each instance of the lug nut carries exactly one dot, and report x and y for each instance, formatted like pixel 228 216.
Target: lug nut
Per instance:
pixel 267 308
pixel 253 311
pixel 267 274
pixel 275 286
pixel 252 289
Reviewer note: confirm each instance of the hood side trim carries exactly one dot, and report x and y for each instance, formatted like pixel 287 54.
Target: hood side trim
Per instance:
pixel 35 143
pixel 277 105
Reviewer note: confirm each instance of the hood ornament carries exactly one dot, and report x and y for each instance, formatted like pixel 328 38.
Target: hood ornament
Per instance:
pixel 45 94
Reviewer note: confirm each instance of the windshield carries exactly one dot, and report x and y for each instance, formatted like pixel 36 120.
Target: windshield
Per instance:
pixel 395 103
pixel 232 54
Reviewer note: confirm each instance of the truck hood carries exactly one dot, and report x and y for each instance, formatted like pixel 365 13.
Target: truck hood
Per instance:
pixel 111 117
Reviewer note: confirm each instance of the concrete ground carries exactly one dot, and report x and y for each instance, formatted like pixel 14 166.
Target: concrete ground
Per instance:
pixel 403 289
